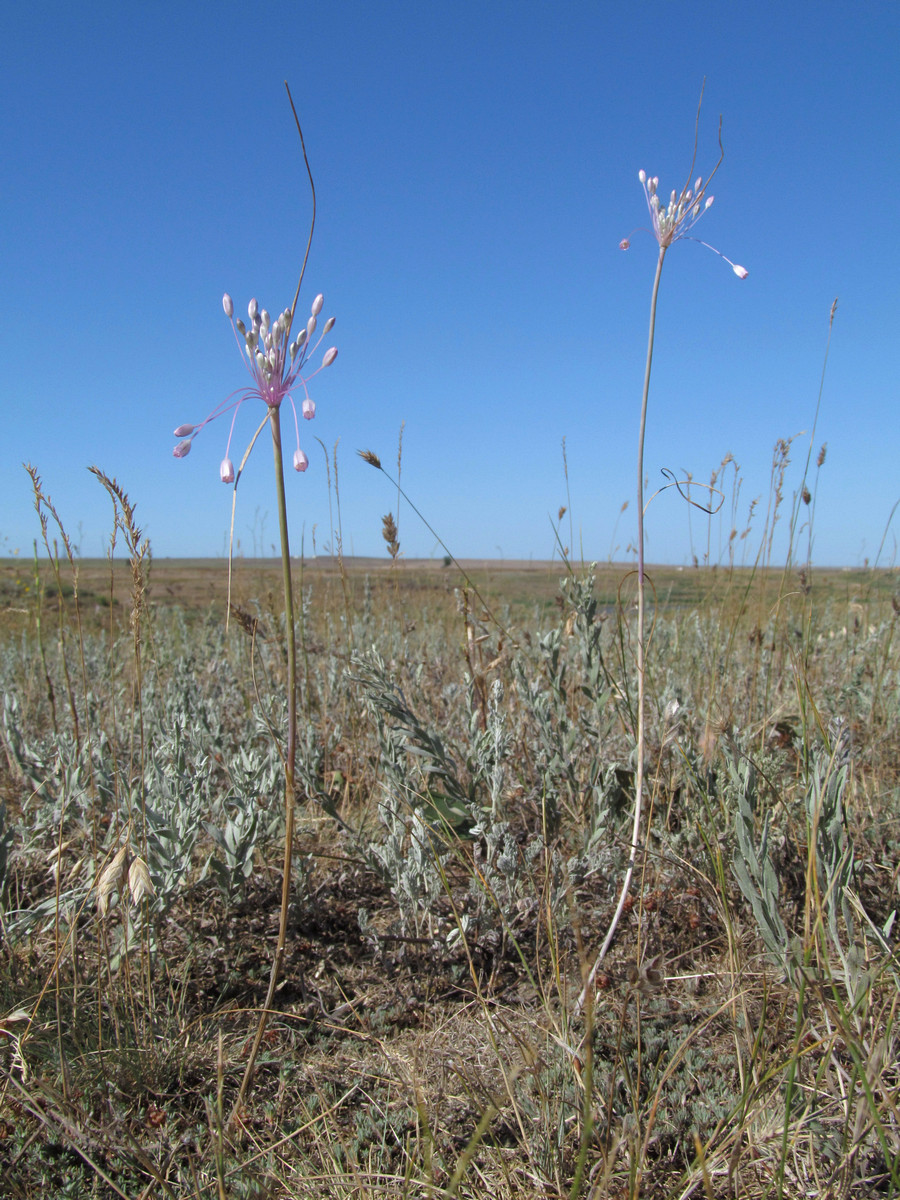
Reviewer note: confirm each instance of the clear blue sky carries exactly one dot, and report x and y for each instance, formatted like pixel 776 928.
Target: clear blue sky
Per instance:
pixel 476 167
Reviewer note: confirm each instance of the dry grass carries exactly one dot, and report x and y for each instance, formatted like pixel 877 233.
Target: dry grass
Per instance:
pixel 425 1043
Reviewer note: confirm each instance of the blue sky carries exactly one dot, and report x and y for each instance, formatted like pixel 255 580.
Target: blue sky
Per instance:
pixel 476 167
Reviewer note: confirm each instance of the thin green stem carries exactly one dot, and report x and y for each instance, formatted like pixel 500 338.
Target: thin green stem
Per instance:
pixel 289 757
pixel 641 648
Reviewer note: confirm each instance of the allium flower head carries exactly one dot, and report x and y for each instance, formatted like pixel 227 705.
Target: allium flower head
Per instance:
pixel 675 222
pixel 276 366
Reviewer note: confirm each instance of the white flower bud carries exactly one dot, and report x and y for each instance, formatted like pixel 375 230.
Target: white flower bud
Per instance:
pixel 330 356
pixel 228 305
pixel 317 304
pixel 242 328
pixel 329 325
pixel 183 431
pixel 310 326
pixel 253 310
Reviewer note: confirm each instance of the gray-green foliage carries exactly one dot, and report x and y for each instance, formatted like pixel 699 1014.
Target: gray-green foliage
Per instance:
pixel 566 698
pixel 648 1058
pixel 429 803
pixel 826 817
pixel 237 843
pixel 417 766
pixel 170 773
pixel 175 802
pixel 828 777
pixel 420 786
pixel 248 816
pixel 436 791
pixel 824 801
pixel 751 861
pixel 190 772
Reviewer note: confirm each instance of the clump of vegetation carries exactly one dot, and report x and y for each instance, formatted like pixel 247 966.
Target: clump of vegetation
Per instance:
pixel 463 821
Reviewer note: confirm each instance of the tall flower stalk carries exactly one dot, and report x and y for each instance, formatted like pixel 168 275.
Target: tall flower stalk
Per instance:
pixel 669 225
pixel 276 364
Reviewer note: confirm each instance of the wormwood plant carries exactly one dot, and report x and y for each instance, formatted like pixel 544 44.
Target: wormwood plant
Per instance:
pixel 670 225
pixel 276 366
pixel 836 907
pixel 429 803
pixel 751 862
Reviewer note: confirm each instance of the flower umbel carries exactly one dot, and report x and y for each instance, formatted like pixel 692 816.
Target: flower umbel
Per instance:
pixel 275 365
pixel 674 222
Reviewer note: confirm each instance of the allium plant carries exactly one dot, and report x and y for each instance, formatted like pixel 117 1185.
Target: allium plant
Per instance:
pixel 276 365
pixel 671 224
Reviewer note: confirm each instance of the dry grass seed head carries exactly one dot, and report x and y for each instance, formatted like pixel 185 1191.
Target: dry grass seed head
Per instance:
pixel 110 879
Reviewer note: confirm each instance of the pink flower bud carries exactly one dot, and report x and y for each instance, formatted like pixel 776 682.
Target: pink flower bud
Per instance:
pixel 182 449
pixel 226 470
pixel 741 272
pixel 330 356
pixel 183 431
pixel 624 244
pixel 309 409
pixel 228 305
pixel 301 462
pixel 317 304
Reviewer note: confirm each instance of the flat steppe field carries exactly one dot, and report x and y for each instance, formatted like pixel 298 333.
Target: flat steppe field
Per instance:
pixel 465 776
